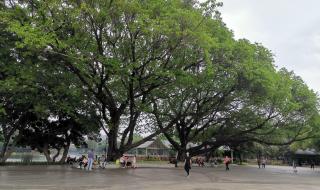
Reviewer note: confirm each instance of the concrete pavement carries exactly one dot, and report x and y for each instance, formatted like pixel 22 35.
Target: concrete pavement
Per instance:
pixel 162 178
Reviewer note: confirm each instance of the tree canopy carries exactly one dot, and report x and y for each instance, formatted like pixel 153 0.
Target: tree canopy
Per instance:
pixel 170 67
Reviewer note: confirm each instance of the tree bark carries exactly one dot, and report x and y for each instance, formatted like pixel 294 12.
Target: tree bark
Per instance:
pixel 56 155
pixel 7 136
pixel 65 153
pixel 113 152
pixel 8 153
pixel 181 154
pixel 3 151
pixel 208 156
pixel 46 153
pixel 6 150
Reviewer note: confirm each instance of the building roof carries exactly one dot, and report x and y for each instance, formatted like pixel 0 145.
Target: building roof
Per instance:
pixel 166 143
pixel 163 143
pixel 146 144
pixel 307 152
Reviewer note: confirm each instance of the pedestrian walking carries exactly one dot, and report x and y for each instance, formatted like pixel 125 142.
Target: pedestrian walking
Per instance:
pixel 134 161
pixel 264 162
pixel 187 164
pixel 176 160
pixel 90 159
pixel 259 162
pixel 312 165
pixel 294 165
pixel 226 161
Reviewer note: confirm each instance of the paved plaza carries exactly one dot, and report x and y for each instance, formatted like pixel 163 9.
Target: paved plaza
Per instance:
pixel 162 177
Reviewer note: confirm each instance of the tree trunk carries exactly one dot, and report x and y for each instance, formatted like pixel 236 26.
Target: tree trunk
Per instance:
pixel 7 136
pixel 182 149
pixel 181 154
pixel 56 155
pixel 113 152
pixel 8 153
pixel 46 153
pixel 208 156
pixel 183 142
pixel 65 153
pixel 208 153
pixel 3 151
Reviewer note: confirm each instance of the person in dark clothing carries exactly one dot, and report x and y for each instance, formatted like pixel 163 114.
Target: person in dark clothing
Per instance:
pixel 312 165
pixel 259 162
pixel 187 164
pixel 176 161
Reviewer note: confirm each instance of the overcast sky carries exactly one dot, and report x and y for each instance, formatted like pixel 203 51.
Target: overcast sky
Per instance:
pixel 290 28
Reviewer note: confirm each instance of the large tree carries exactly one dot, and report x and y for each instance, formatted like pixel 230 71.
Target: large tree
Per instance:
pixel 174 63
pixel 120 50
pixel 47 135
pixel 243 100
pixel 9 114
pixel 39 100
pixel 34 90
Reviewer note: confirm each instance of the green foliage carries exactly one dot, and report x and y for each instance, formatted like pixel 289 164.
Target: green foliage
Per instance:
pixel 38 98
pixel 151 66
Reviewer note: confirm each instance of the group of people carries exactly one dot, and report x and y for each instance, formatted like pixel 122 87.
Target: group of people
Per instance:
pixel 188 163
pixel 294 165
pixel 86 162
pixel 227 161
pixel 262 162
pixel 128 161
pixel 89 161
pixel 200 161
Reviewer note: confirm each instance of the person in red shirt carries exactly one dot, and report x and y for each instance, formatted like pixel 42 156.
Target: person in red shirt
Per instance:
pixel 226 161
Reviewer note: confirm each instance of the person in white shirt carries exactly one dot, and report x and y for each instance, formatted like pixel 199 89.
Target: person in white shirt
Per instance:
pixel 134 161
pixel 264 162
